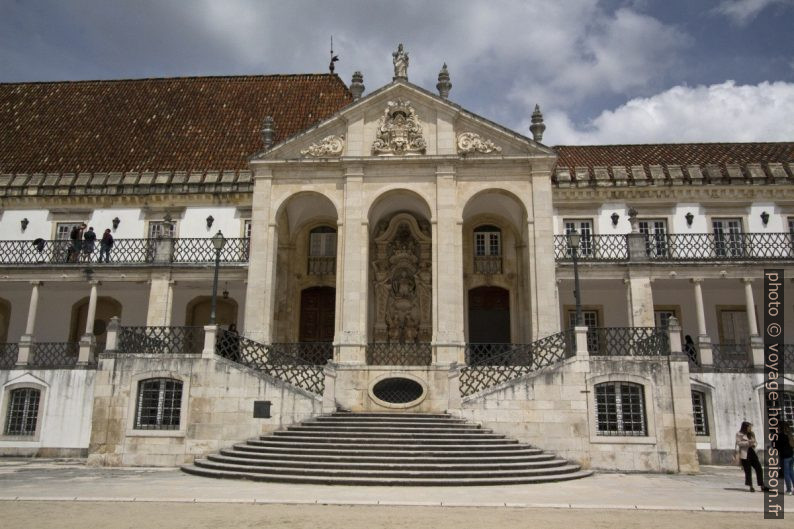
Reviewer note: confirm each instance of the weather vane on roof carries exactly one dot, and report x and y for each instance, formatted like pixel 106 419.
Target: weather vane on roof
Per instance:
pixel 334 58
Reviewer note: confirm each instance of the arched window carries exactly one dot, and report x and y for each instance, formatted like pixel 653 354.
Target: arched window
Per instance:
pixel 487 250
pixel 159 404
pixel 620 409
pixel 699 413
pixel 23 411
pixel 322 251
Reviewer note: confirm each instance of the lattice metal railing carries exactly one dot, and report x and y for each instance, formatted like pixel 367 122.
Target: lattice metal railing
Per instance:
pixel 54 354
pixel 202 251
pixel 487 264
pixel 276 362
pixel 9 352
pixel 399 354
pixel 161 340
pixel 317 353
pixel 593 248
pixel 516 361
pixel 732 357
pixel 788 358
pixel 726 247
pixel 628 341
pixel 320 266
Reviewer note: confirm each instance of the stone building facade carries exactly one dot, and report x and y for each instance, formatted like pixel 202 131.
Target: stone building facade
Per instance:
pixel 389 240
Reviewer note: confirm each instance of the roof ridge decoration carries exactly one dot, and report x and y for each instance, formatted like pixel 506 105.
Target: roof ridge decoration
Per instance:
pixel 332 145
pixel 399 130
pixel 469 142
pixel 400 60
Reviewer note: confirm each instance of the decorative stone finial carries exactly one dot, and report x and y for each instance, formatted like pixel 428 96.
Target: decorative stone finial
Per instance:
pixel 400 60
pixel 268 131
pixel 443 86
pixel 537 126
pixel 635 228
pixel 357 85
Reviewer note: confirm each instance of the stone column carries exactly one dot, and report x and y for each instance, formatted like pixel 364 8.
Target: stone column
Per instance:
pixel 26 340
pixel 704 341
pixel 258 314
pixel 540 243
pixel 91 314
pixel 639 294
pixel 448 338
pixel 161 298
pixel 352 338
pixel 580 343
pixel 756 343
pixel 210 337
pixel 112 340
pixel 88 340
pixel 681 393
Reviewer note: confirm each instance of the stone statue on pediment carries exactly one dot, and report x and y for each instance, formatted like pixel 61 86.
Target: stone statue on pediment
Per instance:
pixel 400 60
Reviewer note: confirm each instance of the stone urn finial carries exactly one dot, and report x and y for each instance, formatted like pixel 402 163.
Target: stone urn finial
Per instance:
pixel 635 228
pixel 268 131
pixel 444 86
pixel 400 60
pixel 357 85
pixel 537 126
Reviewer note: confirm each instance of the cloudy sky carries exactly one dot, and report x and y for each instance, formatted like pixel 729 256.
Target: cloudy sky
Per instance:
pixel 603 71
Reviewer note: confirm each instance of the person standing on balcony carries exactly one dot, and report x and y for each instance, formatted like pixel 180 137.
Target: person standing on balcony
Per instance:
pixel 76 236
pixel 745 449
pixel 105 245
pixel 88 245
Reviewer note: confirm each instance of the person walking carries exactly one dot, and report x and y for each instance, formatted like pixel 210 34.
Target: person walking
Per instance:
pixel 785 447
pixel 745 449
pixel 88 245
pixel 105 245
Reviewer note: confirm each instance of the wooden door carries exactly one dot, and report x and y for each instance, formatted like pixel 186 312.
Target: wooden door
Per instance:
pixel 318 309
pixel 489 315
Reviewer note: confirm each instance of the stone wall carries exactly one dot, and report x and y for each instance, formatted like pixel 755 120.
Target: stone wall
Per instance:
pixel 217 410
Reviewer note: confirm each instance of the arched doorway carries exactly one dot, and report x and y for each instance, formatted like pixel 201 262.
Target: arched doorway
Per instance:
pixel 489 315
pixel 106 308
pixel 199 308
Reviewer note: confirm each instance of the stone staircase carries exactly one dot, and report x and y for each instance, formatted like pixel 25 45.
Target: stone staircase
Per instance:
pixel 386 449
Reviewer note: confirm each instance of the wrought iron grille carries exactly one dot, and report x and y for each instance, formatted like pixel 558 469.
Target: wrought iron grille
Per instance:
pixel 727 247
pixel 316 353
pixel 628 341
pixel 23 412
pixel 398 390
pixel 485 354
pixel 516 361
pixel 161 340
pixel 399 354
pixel 322 265
pixel 159 404
pixel 487 264
pixel 599 248
pixel 788 358
pixel 620 409
pixel 9 352
pixel 202 251
pixel 699 413
pixel 277 363
pixel 731 357
pixel 55 354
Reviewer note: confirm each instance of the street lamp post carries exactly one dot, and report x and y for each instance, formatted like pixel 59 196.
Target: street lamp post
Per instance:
pixel 574 238
pixel 218 242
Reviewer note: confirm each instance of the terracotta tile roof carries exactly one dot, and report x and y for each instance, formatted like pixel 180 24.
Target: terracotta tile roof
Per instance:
pixel 177 124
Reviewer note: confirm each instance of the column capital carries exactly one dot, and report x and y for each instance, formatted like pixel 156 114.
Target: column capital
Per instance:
pixel 36 283
pixel 696 280
pixel 95 282
pixel 747 280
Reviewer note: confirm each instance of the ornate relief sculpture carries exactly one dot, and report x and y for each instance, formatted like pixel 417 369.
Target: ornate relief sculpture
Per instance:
pixel 329 146
pixel 472 142
pixel 400 60
pixel 401 262
pixel 399 130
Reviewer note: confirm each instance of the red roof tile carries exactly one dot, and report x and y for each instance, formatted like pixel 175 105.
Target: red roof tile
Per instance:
pixel 192 123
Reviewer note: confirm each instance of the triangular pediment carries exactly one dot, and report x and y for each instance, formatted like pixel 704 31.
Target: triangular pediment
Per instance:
pixel 402 119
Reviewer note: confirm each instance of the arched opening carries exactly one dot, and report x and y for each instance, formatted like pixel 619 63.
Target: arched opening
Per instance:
pixel 199 309
pixel 5 319
pixel 106 308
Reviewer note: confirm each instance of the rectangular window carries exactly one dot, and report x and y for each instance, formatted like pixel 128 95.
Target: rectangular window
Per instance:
pixel 590 318
pixel 23 412
pixel 487 244
pixel 64 229
pixel 247 229
pixel 159 404
pixel 620 409
pixel 585 229
pixel 322 244
pixel 162 229
pixel 662 318
pixel 728 237
pixel 699 413
pixel 655 234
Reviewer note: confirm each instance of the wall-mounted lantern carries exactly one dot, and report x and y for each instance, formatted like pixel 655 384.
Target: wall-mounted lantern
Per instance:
pixel 116 221
pixel 24 222
pixel 210 220
pixel 615 218
pixel 765 218
pixel 689 218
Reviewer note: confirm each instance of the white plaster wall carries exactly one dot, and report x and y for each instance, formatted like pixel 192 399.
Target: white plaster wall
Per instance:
pixel 604 220
pixel 777 222
pixel 699 222
pixel 67 411
pixel 132 225
pixel 194 223
pixel 11 229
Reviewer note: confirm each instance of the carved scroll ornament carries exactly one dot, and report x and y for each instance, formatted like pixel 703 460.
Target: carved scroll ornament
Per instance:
pixel 329 146
pixel 469 142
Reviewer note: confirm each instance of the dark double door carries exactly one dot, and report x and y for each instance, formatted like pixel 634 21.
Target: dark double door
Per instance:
pixel 317 316
pixel 489 315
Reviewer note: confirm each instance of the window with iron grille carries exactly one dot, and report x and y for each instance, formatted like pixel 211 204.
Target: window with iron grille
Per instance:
pixel 620 409
pixel 728 237
pixel 23 411
pixel 162 229
pixel 585 229
pixel 699 413
pixel 655 234
pixel 322 251
pixel 788 406
pixel 487 250
pixel 159 404
pixel 590 319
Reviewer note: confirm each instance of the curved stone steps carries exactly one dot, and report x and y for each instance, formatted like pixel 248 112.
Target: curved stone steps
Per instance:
pixel 353 457
pixel 462 451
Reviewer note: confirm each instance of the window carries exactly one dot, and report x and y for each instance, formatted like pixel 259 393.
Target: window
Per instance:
pixel 162 229
pixel 728 237
pixel 585 229
pixel 23 411
pixel 655 233
pixel 487 250
pixel 788 405
pixel 64 229
pixel 661 317
pixel 699 413
pixel 322 251
pixel 620 409
pixel 247 229
pixel 159 404
pixel 590 318
pixel 734 327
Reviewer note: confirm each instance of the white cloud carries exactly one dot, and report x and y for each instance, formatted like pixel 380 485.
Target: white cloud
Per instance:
pixel 719 112
pixel 743 11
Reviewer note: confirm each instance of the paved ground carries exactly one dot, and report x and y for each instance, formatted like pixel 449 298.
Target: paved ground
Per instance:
pixel 67 492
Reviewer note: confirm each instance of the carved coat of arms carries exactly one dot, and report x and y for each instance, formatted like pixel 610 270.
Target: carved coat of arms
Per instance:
pixel 399 131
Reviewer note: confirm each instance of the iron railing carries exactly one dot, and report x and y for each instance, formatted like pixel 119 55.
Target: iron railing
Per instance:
pixel 732 357
pixel 161 340
pixel 399 354
pixel 54 354
pixel 123 252
pixel 628 341
pixel 320 266
pixel 487 264
pixel 516 361
pixel 9 352
pixel 788 358
pixel 593 248
pixel 317 353
pixel 274 361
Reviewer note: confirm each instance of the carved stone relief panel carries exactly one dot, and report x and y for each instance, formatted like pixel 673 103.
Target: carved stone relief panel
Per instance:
pixel 401 261
pixel 399 130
